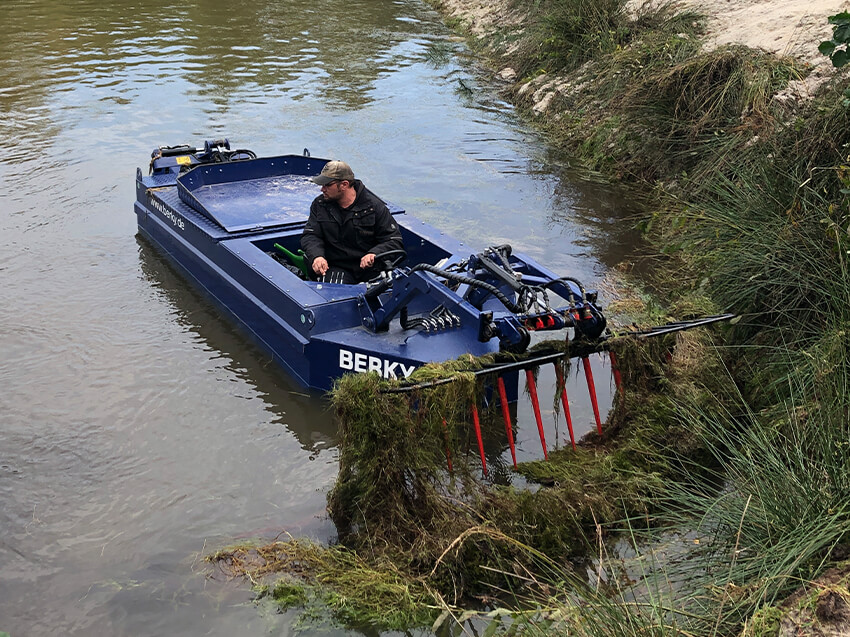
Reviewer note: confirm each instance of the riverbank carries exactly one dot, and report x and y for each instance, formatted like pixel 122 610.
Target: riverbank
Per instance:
pixel 782 28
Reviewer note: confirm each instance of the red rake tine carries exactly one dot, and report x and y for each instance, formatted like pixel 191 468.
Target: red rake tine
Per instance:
pixel 560 376
pixel 591 387
pixel 477 425
pixel 448 453
pixel 532 389
pixel 615 369
pixel 506 415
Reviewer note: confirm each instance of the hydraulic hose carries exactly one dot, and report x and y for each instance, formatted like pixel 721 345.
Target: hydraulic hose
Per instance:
pixel 492 289
pixel 572 280
pixel 439 318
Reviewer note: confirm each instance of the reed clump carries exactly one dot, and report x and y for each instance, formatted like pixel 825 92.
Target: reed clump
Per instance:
pixel 564 34
pixel 772 232
pixel 671 123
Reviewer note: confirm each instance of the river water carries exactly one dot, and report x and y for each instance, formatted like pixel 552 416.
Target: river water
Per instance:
pixel 138 429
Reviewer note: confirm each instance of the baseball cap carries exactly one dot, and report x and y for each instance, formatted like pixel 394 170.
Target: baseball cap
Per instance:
pixel 334 171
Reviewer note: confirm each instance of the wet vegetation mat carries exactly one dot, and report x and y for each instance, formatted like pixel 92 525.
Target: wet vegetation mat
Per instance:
pixel 423 530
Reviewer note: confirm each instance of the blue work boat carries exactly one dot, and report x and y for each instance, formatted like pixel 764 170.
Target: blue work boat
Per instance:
pixel 232 223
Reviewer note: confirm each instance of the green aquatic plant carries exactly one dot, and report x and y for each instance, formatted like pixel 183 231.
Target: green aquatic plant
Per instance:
pixel 289 594
pixel 321 581
pixel 440 53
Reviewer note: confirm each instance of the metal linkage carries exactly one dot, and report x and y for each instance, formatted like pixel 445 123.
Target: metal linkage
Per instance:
pixel 460 291
pixel 407 286
pixel 679 326
pixel 566 404
pixel 578 349
pixel 591 388
pixel 539 358
pixel 615 370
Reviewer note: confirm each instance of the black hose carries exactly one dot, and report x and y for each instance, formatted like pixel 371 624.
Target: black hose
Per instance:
pixel 492 289
pixel 407 323
pixel 569 278
pixel 503 252
pixel 242 151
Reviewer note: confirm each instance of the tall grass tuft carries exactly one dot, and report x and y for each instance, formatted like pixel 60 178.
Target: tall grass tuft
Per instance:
pixel 580 30
pixel 563 34
pixel 777 519
pixel 696 115
pixel 773 233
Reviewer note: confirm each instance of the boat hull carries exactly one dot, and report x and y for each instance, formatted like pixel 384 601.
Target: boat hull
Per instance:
pixel 225 226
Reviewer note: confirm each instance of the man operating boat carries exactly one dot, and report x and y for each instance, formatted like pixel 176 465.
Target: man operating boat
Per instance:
pixel 348 226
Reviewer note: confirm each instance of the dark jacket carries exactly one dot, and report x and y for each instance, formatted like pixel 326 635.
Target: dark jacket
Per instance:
pixel 343 236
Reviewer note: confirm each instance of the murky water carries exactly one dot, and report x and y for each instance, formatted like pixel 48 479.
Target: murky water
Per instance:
pixel 138 429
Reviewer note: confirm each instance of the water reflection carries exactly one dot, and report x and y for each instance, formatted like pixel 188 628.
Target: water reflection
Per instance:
pixel 605 214
pixel 333 52
pixel 302 412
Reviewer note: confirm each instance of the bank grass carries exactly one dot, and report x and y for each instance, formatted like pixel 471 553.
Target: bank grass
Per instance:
pixel 605 597
pixel 677 119
pixel 781 516
pixel 772 234
pixel 697 114
pixel 632 93
pixel 758 536
pixel 563 35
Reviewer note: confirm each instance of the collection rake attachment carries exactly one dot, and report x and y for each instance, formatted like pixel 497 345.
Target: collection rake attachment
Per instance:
pixel 493 376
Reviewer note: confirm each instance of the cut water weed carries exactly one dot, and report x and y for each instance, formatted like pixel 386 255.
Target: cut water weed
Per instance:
pixel 321 580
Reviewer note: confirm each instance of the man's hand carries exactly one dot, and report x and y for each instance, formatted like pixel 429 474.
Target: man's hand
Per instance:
pixel 367 261
pixel 320 265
